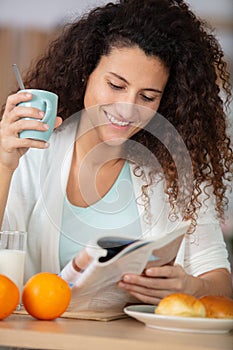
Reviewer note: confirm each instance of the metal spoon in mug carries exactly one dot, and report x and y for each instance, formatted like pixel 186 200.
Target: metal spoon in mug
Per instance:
pixel 18 76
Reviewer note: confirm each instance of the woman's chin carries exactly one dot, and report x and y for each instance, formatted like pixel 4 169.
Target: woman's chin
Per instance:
pixel 115 141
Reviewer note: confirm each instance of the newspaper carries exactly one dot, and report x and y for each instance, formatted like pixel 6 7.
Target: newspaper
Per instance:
pixel 95 292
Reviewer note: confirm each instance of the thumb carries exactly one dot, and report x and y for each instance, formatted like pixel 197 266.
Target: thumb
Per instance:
pixel 58 122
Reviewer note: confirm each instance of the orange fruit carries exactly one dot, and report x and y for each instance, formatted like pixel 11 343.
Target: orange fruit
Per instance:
pixel 46 296
pixel 9 296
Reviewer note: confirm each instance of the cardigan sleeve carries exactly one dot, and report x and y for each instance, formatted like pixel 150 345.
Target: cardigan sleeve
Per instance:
pixel 23 193
pixel 205 250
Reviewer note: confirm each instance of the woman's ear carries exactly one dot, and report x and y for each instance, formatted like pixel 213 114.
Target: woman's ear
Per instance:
pixel 58 122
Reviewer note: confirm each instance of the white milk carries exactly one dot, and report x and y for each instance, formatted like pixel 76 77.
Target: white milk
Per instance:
pixel 12 265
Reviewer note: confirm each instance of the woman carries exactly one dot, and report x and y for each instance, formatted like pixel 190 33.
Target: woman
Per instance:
pixel 141 80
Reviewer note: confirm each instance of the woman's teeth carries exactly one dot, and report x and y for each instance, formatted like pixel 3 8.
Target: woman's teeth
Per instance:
pixel 115 121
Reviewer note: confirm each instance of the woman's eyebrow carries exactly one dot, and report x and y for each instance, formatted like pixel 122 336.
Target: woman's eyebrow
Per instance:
pixel 154 90
pixel 125 81
pixel 119 77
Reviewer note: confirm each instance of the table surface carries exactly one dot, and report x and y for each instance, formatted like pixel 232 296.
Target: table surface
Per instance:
pixel 124 334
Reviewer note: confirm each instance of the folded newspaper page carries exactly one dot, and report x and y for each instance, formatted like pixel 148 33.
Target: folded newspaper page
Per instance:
pixel 95 290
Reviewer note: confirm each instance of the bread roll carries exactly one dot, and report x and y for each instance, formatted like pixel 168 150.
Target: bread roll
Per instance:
pixel 179 304
pixel 218 306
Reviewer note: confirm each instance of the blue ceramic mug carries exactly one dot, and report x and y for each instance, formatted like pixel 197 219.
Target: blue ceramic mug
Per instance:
pixel 46 101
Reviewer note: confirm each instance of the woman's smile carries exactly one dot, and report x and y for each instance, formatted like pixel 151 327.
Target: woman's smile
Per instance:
pixel 116 121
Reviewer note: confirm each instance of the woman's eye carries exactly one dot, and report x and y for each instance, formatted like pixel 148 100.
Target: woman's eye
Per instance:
pixel 115 87
pixel 147 98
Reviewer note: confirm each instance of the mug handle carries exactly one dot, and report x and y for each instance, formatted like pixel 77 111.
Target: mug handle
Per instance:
pixel 48 110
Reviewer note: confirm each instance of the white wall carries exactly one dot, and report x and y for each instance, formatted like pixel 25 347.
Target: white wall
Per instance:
pixel 213 8
pixel 42 14
pixel 46 13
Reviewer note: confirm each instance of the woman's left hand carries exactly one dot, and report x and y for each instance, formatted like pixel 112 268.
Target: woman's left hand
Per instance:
pixel 156 282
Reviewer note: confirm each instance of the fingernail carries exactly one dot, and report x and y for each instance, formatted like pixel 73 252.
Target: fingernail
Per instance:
pixel 46 145
pixel 121 284
pixel 41 114
pixel 126 278
pixel 46 126
pixel 28 94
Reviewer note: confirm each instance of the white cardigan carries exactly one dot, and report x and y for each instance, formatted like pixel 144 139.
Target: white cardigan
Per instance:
pixel 35 204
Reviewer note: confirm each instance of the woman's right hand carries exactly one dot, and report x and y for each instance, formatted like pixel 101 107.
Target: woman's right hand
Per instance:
pixel 11 146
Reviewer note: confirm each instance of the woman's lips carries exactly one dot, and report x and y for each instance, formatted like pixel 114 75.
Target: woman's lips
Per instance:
pixel 115 121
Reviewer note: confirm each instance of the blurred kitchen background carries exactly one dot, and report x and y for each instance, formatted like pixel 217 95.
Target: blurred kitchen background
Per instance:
pixel 27 26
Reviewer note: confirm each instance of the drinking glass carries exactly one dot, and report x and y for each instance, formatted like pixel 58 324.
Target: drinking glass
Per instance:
pixel 12 256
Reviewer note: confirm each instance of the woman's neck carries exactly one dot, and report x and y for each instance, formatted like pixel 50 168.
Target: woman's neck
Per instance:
pixel 94 169
pixel 92 150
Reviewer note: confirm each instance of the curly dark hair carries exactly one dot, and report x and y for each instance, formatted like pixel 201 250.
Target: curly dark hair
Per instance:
pixel 191 102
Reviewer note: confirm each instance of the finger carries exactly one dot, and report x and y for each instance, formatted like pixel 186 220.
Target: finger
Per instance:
pixel 23 124
pixel 132 281
pixel 166 271
pixel 14 99
pixel 14 143
pixel 139 289
pixel 157 263
pixel 145 299
pixel 25 112
pixel 29 143
pixel 144 294
pixel 58 122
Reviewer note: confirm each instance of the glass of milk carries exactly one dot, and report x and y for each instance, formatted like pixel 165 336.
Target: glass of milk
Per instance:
pixel 12 256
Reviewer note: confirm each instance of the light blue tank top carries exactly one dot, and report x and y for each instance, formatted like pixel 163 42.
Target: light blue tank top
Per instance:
pixel 116 214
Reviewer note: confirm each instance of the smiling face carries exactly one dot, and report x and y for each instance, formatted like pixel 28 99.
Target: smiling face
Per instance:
pixel 123 93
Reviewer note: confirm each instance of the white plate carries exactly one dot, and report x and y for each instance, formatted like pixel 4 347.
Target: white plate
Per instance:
pixel 145 314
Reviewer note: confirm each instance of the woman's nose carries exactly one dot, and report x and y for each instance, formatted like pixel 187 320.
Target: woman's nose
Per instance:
pixel 128 111
pixel 130 98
